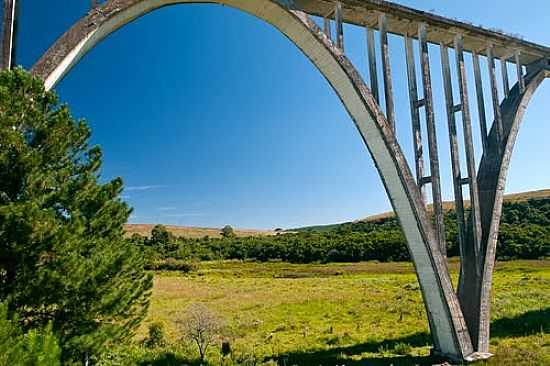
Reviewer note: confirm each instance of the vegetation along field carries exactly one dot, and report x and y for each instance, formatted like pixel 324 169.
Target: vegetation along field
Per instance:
pixel 364 313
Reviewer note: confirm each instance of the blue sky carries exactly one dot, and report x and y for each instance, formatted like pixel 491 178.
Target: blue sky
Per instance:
pixel 212 117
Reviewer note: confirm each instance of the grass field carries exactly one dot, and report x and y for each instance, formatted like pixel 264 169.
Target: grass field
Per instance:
pixel 349 314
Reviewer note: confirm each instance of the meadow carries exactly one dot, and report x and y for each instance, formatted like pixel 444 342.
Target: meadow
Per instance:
pixel 365 313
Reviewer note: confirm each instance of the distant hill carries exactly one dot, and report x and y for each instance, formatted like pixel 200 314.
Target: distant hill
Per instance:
pixel 191 232
pixel 447 206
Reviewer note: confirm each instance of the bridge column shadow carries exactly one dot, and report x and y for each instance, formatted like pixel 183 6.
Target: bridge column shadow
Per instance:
pixel 526 324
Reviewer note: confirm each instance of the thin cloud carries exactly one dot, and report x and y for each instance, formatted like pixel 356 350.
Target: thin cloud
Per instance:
pixel 188 214
pixel 143 188
pixel 166 208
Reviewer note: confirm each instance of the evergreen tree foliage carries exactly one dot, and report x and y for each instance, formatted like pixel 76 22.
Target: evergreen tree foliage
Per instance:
pixel 37 348
pixel 160 236
pixel 63 259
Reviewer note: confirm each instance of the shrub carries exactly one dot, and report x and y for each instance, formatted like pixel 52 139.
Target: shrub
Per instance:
pixel 402 349
pixel 171 264
pixel 156 336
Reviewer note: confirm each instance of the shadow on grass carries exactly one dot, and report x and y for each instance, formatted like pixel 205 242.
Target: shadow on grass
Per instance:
pixel 529 323
pixel 170 359
pixel 333 356
pixel 526 324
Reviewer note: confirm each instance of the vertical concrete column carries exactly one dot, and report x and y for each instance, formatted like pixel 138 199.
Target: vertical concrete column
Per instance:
pixel 386 68
pixel 326 27
pixel 494 93
pixel 415 114
pixel 480 100
pixel 432 139
pixel 505 80
pixel 373 68
pixel 339 25
pixel 475 218
pixel 519 71
pixel 455 153
pixel 9 34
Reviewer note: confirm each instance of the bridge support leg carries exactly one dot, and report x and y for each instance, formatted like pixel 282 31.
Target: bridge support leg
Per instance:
pixel 9 32
pixel 475 295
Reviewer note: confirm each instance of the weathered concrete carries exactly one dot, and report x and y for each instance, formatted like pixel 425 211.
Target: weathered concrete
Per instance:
pixel 475 297
pixel 414 105
pixel 373 68
pixel 403 20
pixel 9 34
pixel 448 327
pixel 435 177
pixel 481 98
pixel 494 93
pixel 386 70
pixel 455 153
pixel 472 252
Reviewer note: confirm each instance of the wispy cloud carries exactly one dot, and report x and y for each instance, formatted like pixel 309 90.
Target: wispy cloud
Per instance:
pixel 187 214
pixel 143 188
pixel 168 208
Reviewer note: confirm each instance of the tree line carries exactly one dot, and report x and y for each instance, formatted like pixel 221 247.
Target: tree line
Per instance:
pixel 524 234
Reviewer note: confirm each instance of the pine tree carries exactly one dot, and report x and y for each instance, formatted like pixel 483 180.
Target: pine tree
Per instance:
pixel 37 348
pixel 63 258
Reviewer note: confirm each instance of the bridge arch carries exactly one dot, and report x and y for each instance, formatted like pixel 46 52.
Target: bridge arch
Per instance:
pixel 492 177
pixel 448 327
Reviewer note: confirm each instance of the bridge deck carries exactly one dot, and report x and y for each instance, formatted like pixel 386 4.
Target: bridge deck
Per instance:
pixel 403 20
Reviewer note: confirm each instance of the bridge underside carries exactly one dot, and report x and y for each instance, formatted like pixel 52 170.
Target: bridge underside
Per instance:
pixel 459 319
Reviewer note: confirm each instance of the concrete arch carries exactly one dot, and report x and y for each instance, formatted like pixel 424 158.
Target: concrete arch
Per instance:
pixel 492 177
pixel 449 331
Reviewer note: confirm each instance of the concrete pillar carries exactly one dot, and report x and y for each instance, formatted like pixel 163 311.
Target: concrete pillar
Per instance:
pixel 386 70
pixel 432 140
pixel 373 68
pixel 480 100
pixel 9 34
pixel 415 105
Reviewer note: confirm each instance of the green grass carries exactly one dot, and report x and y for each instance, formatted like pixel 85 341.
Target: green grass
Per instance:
pixel 349 314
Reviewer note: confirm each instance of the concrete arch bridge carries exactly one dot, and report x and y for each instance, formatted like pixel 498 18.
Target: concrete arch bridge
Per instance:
pixel 459 318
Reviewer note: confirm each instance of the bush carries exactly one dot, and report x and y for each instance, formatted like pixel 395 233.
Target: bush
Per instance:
pixel 156 336
pixel 171 264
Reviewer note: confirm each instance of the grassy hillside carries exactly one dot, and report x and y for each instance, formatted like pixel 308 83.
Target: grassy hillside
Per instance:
pixel 191 232
pixel 447 206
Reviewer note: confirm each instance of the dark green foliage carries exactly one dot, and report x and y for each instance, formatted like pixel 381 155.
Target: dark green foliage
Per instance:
pixel 227 232
pixel 156 336
pixel 171 264
pixel 226 349
pixel 63 259
pixel 524 234
pixel 39 347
